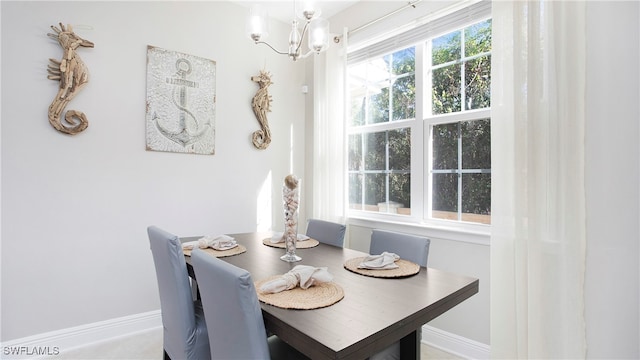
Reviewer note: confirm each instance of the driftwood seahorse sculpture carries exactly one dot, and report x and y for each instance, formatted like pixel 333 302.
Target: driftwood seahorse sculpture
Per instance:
pixel 261 106
pixel 73 75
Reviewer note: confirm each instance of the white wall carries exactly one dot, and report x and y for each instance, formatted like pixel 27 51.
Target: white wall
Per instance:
pixel 75 209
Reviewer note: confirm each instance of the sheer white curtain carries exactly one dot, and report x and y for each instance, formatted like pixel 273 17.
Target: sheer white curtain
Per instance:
pixel 328 135
pixel 538 195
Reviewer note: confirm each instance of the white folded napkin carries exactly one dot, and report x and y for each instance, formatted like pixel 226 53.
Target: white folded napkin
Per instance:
pixel 301 275
pixel 217 242
pixel 278 237
pixel 386 260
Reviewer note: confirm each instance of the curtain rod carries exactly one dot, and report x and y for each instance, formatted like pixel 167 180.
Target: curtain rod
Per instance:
pixel 411 4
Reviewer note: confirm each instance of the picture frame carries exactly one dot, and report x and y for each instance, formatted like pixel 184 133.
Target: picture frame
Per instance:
pixel 180 102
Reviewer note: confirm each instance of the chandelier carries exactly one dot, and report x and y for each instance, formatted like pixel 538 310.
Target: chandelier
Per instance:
pixel 315 28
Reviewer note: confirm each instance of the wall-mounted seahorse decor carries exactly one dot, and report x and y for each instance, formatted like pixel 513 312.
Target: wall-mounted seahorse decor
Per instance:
pixel 73 75
pixel 261 106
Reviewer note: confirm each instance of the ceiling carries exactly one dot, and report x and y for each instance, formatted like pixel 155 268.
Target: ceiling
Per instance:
pixel 283 10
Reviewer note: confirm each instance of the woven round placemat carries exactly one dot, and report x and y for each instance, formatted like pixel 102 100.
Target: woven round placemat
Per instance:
pixel 315 297
pixel 221 253
pixel 304 244
pixel 405 268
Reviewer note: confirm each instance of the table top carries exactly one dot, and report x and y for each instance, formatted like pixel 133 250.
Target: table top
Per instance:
pixel 374 313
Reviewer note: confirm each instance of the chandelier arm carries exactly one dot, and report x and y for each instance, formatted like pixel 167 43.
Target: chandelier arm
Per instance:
pixel 304 31
pixel 304 56
pixel 272 48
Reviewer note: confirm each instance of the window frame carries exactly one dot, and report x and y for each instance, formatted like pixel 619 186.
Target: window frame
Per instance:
pixel 421 143
pixel 380 127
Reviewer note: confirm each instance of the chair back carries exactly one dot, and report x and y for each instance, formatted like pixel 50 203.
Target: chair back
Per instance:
pixel 326 232
pixel 231 308
pixel 176 303
pixel 409 247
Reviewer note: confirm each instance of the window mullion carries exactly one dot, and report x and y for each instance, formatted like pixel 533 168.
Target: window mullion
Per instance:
pixel 363 190
pixel 463 78
pixel 387 171
pixel 459 171
pixel 427 108
pixel 418 140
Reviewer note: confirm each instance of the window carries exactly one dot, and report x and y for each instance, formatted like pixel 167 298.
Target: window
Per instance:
pixel 419 128
pixel 382 101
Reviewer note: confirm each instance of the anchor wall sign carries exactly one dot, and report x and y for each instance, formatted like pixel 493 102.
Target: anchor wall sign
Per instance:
pixel 181 102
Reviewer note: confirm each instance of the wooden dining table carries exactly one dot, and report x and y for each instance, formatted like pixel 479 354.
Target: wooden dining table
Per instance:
pixel 374 313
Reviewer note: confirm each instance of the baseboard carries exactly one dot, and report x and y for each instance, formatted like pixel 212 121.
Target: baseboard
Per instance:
pixel 455 344
pixel 52 343
pixel 49 344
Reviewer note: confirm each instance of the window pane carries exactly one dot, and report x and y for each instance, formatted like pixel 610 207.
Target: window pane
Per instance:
pixel 381 183
pixel 355 152
pixel 400 149
pixel 446 48
pixel 445 146
pixel 379 107
pixel 400 190
pixel 477 38
pixel 445 193
pixel 357 110
pixel 476 197
pixel 375 154
pixel 476 144
pixel 447 89
pixel 404 98
pixel 478 83
pixel 404 61
pixel 375 189
pixel 355 189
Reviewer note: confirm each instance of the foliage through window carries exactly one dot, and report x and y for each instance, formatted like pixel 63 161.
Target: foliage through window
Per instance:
pixel 451 131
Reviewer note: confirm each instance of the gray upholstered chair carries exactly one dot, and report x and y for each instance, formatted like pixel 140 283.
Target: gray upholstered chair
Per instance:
pixel 409 247
pixel 184 328
pixel 326 232
pixel 233 313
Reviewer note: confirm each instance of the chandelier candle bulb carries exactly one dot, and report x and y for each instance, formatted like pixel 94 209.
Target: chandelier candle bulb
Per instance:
pixel 318 35
pixel 257 24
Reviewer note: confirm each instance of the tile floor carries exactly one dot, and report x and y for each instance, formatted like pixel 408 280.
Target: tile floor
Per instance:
pixel 148 345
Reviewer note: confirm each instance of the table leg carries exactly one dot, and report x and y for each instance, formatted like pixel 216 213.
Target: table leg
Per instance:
pixel 410 345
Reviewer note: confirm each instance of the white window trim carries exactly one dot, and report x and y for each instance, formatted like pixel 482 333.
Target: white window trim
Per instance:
pixel 475 234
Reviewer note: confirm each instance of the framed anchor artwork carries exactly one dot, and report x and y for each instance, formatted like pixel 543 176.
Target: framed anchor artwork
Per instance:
pixel 181 102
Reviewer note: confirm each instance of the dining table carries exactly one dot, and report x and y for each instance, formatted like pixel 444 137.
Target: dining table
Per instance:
pixel 374 312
